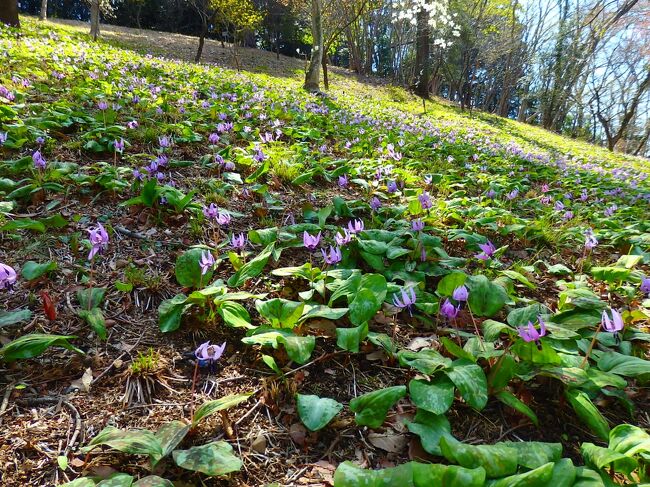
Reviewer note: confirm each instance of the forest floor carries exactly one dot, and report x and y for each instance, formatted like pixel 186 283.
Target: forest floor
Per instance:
pixel 52 405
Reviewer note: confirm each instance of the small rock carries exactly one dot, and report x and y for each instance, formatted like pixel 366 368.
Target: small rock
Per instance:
pixel 259 443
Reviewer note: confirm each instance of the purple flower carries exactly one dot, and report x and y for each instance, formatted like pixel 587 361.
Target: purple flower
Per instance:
pixel 530 334
pixel 448 310
pixel 568 215
pixel 211 212
pixel 206 262
pixel 311 241
pixel 138 175
pixel 208 354
pixel 512 194
pixel 488 250
pixel 460 293
pixel 406 300
pixel 355 226
pixel 391 187
pixel 238 241
pixel 102 105
pixel 343 239
pixel 428 179
pixel 3 137
pixel 613 325
pixel 164 142
pixel 213 138
pixel 590 240
pixel 8 276
pixel 417 225
pixel 39 160
pixel 645 285
pixel 343 181
pixel 98 240
pixel 375 204
pixel 224 218
pixel 119 145
pixel 545 188
pixel 333 256
pixel 425 201
pixel 39 140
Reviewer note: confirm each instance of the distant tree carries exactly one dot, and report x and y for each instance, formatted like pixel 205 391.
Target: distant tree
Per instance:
pixel 43 13
pixel 9 13
pixel 94 19
pixel 312 76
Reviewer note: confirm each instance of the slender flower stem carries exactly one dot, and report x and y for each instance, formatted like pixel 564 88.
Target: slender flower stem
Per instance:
pixel 478 334
pixel 196 373
pixel 591 346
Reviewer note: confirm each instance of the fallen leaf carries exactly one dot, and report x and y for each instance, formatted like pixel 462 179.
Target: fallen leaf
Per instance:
pixel 83 383
pixel 419 342
pixel 298 433
pixel 259 443
pixel 389 441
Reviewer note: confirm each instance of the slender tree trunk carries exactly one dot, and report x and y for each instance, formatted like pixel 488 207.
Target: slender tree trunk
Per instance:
pixel 422 69
pixel 9 13
pixel 138 15
pixel 204 32
pixel 326 81
pixel 312 77
pixel 43 14
pixel 94 19
pixel 277 46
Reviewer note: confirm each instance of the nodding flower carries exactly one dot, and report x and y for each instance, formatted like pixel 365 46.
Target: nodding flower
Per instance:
pixel 206 262
pixel 343 239
pixel 488 250
pixel 448 310
pixel 425 201
pixel 98 240
pixel 530 334
pixel 343 181
pixel 333 257
pixel 39 160
pixel 311 241
pixel 613 324
pixel 375 204
pixel 460 294
pixel 355 226
pixel 406 300
pixel 417 225
pixel 8 277
pixel 208 354
pixel 211 211
pixel 238 241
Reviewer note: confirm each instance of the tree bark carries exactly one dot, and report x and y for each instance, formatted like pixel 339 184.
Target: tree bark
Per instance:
pixel 43 13
pixel 9 13
pixel 326 81
pixel 312 77
pixel 204 31
pixel 94 19
pixel 422 70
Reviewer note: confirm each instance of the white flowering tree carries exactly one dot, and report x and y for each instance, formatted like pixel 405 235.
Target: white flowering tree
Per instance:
pixel 434 26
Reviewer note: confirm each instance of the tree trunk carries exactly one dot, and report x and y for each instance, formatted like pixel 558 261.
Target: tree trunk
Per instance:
pixel 43 14
pixel 326 81
pixel 277 46
pixel 9 13
pixel 138 15
pixel 312 77
pixel 204 31
pixel 422 55
pixel 94 19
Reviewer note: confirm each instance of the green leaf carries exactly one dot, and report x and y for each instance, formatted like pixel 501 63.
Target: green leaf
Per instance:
pixel 497 460
pixel 430 428
pixel 169 435
pixel 450 282
pixel 533 454
pixel 209 408
pixel 427 361
pixel 34 344
pixel 316 412
pixel 512 401
pixel 485 297
pixel 23 224
pixel 188 269
pixel 117 480
pixel 12 317
pixel 134 442
pixel 540 477
pixel 471 382
pixel 91 297
pixel 234 315
pixel 252 268
pixel 492 329
pixel 522 316
pixel 435 396
pixel 350 338
pixel 95 319
pixel 529 352
pixel 587 412
pixel 320 311
pixel 367 298
pixel 371 408
pixel 81 482
pixel 455 350
pixel 125 287
pixel 501 372
pixel 299 348
pixel 270 361
pixel 213 459
pixel 517 276
pixel 170 312
pixel 33 270
pixel 625 365
pixel 599 457
pixel 153 481
pixel 630 440
pixel 280 313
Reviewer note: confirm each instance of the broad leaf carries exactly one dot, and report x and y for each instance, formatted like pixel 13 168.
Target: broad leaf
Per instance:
pixel 371 408
pixel 209 408
pixel 252 268
pixel 315 412
pixel 599 457
pixel 471 382
pixel 430 428
pixel 135 442
pixel 587 412
pixel 497 460
pixel 485 297
pixel 350 338
pixel 213 459
pixel 12 317
pixel 435 396
pixel 34 344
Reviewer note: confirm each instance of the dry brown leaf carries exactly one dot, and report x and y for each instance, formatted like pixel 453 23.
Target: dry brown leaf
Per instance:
pixel 83 383
pixel 389 441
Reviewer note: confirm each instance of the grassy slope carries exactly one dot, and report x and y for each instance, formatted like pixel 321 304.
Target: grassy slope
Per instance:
pixel 365 94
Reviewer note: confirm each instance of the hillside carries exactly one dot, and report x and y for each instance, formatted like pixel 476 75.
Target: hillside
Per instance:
pixel 378 285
